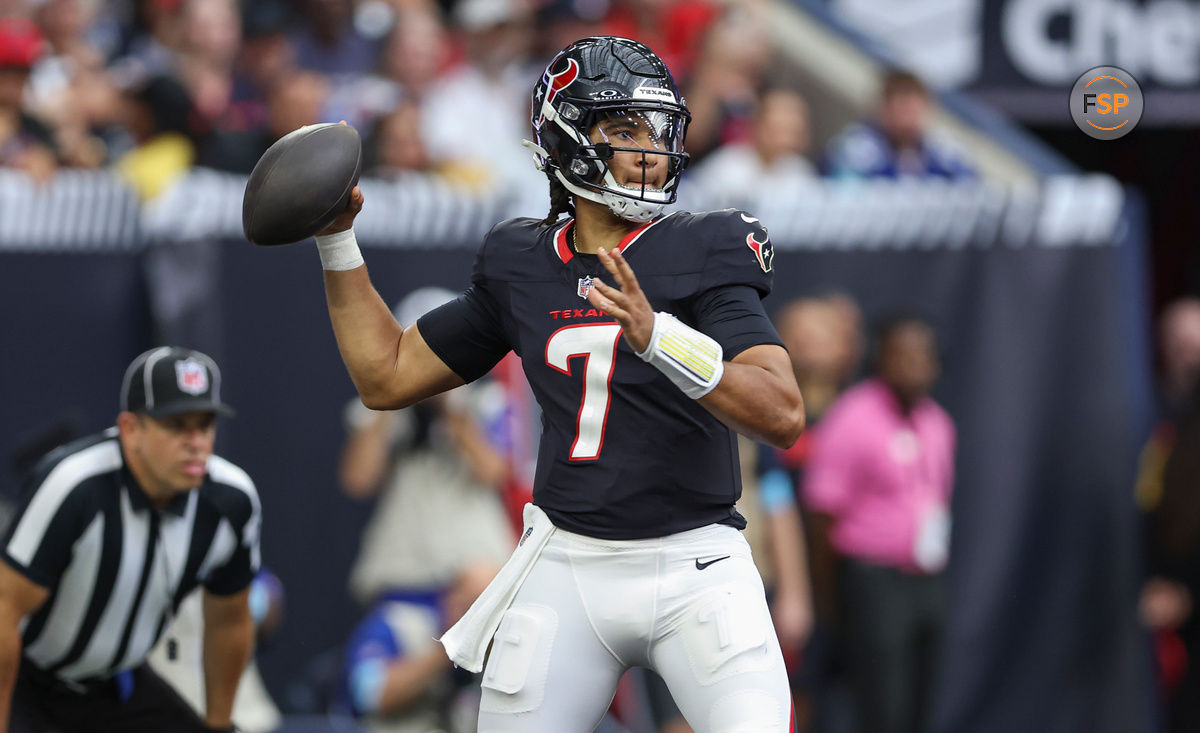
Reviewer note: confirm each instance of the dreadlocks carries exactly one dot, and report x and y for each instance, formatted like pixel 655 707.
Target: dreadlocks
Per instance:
pixel 560 202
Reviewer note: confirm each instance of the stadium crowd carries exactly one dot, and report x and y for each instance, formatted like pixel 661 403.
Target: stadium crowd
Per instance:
pixel 154 87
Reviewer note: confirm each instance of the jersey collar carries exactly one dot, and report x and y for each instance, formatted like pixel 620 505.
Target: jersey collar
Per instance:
pixel 562 245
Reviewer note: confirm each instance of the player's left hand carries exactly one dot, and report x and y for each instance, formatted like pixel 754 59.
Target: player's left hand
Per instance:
pixel 628 304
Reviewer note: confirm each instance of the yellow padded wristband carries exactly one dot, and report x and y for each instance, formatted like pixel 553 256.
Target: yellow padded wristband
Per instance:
pixel 690 359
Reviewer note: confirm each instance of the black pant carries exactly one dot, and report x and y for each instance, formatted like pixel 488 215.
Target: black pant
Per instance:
pixel 892 625
pixel 40 704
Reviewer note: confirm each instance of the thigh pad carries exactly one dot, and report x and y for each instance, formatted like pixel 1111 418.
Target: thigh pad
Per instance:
pixel 725 632
pixel 519 659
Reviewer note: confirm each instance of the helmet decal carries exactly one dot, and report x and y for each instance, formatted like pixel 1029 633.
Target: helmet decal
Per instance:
pixel 653 93
pixel 557 82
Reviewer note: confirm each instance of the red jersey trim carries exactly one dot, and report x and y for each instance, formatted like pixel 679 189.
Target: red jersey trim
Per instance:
pixel 628 240
pixel 562 245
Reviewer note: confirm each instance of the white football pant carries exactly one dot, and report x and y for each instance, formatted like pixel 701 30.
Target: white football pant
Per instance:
pixel 689 606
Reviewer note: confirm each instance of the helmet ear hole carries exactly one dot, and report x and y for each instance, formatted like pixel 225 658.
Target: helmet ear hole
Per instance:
pixel 587 170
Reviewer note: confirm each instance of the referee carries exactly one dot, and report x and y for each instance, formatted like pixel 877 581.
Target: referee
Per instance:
pixel 114 531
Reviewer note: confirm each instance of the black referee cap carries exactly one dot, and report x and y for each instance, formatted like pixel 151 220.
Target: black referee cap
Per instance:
pixel 170 380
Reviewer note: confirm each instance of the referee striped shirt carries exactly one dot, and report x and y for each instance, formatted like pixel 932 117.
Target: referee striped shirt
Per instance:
pixel 116 566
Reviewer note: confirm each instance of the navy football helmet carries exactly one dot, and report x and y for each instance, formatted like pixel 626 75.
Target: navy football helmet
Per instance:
pixel 607 78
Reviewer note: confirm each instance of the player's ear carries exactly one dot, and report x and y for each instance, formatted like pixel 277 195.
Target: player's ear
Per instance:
pixel 128 423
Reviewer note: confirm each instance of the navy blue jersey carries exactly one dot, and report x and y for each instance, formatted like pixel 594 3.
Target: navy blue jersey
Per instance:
pixel 624 454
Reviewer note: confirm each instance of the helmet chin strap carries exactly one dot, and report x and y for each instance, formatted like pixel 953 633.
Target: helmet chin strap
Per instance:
pixel 634 210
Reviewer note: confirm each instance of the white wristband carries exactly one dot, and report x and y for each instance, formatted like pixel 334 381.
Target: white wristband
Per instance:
pixel 339 251
pixel 691 360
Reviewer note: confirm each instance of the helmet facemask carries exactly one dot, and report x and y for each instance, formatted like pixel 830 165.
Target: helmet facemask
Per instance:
pixel 578 136
pixel 655 137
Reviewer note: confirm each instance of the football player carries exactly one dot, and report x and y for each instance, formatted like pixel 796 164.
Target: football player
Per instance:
pixel 632 554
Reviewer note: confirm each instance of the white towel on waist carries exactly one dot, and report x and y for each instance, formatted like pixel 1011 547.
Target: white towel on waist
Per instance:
pixel 466 642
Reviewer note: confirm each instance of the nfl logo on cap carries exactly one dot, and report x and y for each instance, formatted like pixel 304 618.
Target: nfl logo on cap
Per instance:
pixel 191 376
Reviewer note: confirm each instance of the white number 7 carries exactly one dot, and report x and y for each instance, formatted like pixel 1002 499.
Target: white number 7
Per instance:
pixel 597 343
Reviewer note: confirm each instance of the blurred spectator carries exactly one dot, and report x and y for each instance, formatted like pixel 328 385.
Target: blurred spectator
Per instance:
pixel 59 90
pixel 899 142
pixel 211 42
pixel 439 474
pixel 824 351
pixel 294 101
pixel 152 42
pixel 784 564
pixel 398 677
pixel 436 539
pixel 395 146
pixel 881 472
pixel 775 534
pixel 178 657
pixel 1168 492
pixel 25 143
pixel 297 100
pixel 518 437
pixel 95 131
pixel 771 162
pixel 822 336
pixel 165 129
pixel 71 89
pixel 1179 335
pixel 266 57
pixel 329 42
pixel 850 324
pixel 562 22
pixel 672 28
pixel 65 24
pixel 723 90
pixel 416 52
pixel 492 84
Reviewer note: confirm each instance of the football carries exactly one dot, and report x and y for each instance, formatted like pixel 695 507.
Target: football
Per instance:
pixel 300 185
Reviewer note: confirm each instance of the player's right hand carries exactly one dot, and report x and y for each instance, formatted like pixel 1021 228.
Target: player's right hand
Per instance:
pixel 345 220
pixel 628 305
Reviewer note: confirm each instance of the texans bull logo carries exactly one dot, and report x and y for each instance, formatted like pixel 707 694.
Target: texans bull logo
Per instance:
pixel 763 250
pixel 555 83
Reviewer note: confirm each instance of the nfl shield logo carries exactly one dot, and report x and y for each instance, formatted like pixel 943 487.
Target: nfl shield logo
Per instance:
pixel 585 286
pixel 191 376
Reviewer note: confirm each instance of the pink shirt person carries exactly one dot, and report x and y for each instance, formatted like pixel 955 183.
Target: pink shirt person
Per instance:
pixel 885 478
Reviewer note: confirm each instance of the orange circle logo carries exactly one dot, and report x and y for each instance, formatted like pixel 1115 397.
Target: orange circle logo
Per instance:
pixel 1106 102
